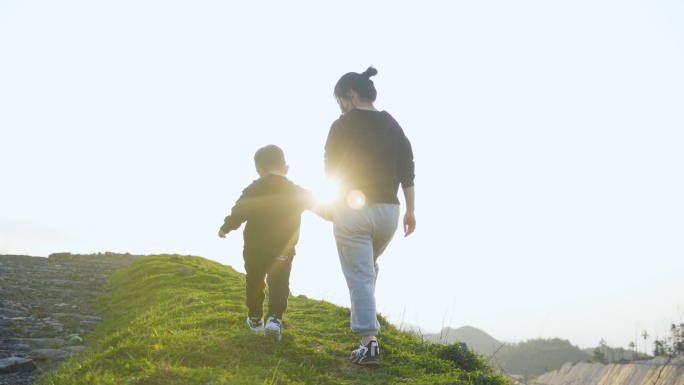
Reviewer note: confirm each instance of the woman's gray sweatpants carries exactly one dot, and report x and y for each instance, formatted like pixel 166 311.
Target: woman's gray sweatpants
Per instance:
pixel 361 236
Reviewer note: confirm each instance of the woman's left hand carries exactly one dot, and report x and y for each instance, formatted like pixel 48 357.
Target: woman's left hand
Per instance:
pixel 409 223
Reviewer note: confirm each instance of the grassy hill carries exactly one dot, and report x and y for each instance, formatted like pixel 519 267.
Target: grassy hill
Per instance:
pixel 162 327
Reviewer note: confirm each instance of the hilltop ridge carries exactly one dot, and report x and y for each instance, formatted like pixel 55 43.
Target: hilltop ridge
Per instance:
pixel 181 319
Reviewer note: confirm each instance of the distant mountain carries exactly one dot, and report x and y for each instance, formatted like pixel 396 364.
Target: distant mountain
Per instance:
pixel 537 356
pixel 529 358
pixel 481 342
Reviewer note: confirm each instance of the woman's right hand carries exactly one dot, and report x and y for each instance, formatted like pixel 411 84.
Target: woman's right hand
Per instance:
pixel 409 223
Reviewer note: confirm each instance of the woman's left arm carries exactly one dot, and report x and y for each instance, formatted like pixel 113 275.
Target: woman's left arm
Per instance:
pixel 410 216
pixel 406 177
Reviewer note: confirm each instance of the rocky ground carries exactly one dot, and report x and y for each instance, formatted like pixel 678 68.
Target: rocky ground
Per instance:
pixel 659 370
pixel 46 306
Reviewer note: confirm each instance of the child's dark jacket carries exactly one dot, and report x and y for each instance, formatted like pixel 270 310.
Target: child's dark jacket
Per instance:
pixel 272 206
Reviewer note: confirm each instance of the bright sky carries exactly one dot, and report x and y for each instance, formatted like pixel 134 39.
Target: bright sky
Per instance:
pixel 548 139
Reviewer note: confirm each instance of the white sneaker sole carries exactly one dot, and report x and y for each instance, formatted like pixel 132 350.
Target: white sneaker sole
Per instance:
pixel 257 329
pixel 273 333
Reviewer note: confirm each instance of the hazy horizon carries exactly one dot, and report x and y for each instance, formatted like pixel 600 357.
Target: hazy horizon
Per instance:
pixel 547 138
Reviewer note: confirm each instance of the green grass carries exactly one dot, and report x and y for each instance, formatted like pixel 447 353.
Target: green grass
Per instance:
pixel 162 327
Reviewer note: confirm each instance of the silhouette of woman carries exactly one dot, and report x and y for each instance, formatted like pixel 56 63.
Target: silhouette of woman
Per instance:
pixel 369 156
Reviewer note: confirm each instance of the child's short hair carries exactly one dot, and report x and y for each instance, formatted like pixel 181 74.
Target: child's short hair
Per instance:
pixel 269 158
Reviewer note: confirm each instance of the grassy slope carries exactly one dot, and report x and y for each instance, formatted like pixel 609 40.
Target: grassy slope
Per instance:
pixel 163 327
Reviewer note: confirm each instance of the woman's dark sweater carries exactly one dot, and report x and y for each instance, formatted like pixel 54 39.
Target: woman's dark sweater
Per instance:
pixel 367 150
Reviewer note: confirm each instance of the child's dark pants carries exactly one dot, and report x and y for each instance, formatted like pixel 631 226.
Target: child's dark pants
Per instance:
pixel 276 270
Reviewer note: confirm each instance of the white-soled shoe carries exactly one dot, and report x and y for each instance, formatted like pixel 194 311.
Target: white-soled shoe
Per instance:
pixel 274 327
pixel 366 355
pixel 256 324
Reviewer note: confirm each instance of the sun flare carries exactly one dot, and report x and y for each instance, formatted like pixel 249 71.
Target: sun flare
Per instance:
pixel 326 191
pixel 356 199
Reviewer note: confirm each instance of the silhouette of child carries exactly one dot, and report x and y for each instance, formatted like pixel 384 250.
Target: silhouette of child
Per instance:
pixel 272 207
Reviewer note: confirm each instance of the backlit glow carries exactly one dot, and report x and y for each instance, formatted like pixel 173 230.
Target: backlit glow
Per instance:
pixel 326 191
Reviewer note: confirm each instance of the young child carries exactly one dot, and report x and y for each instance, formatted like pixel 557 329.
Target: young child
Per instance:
pixel 272 206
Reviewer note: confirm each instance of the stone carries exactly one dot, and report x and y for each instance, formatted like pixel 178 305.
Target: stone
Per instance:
pixel 187 270
pixel 10 313
pixel 57 327
pixel 19 347
pixel 74 349
pixel 17 364
pixel 39 342
pixel 48 354
pixel 76 317
pixel 88 325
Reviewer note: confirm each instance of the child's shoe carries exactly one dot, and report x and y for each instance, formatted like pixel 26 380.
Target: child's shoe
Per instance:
pixel 256 324
pixel 274 327
pixel 366 355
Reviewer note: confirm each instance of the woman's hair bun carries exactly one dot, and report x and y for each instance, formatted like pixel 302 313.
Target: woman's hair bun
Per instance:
pixel 369 72
pixel 359 82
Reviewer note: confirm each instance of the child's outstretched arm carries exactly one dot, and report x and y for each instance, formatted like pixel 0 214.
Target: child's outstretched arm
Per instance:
pixel 238 214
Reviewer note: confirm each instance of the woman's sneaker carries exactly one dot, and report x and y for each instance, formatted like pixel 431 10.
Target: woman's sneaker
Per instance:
pixel 366 355
pixel 256 324
pixel 274 327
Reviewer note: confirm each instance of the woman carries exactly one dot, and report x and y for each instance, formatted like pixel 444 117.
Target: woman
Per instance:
pixel 369 156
